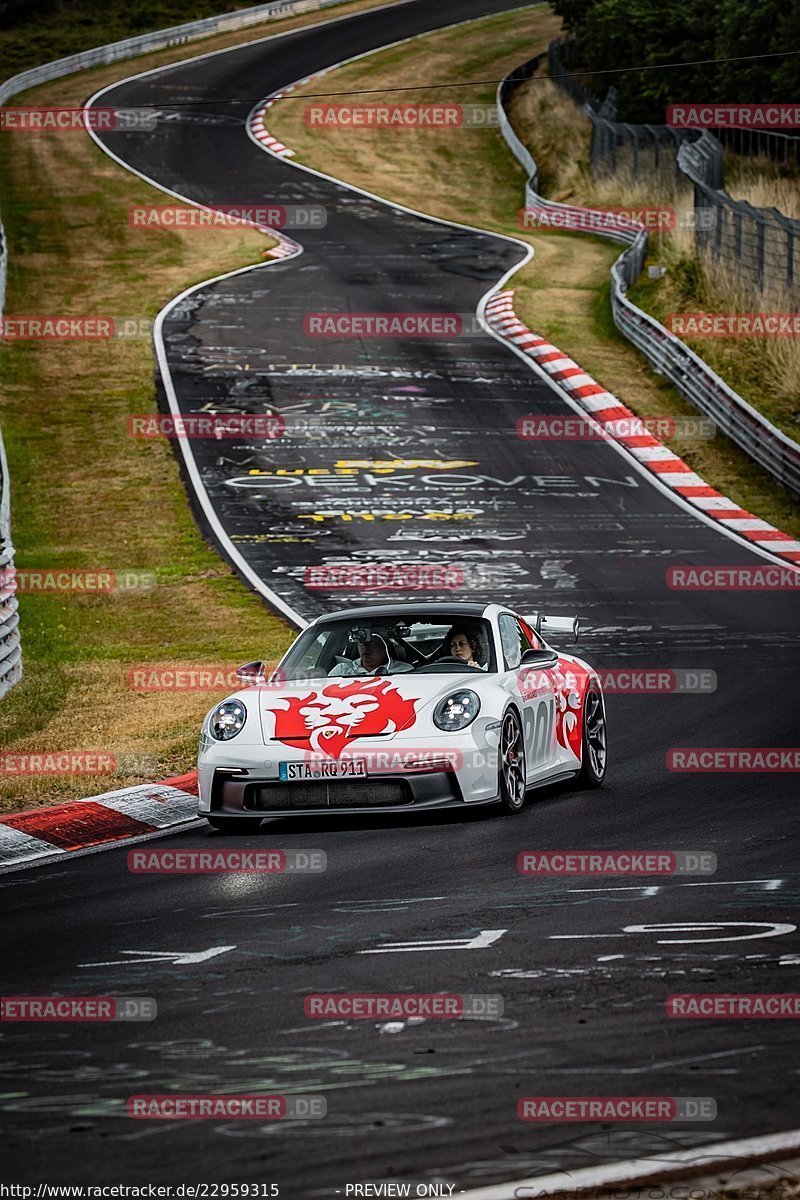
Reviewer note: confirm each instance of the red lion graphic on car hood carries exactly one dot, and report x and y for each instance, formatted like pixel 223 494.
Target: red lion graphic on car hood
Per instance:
pixel 326 720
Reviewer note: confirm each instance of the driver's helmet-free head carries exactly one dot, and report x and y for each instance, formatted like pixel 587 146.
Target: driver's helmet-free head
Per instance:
pixel 376 650
pixel 474 638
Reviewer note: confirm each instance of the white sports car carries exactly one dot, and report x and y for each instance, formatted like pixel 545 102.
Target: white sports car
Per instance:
pixel 404 706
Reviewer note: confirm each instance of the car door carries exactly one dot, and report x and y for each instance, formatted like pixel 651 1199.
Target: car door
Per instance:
pixel 534 691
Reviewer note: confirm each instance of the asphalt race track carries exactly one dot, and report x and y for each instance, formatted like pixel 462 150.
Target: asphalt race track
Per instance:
pixel 584 966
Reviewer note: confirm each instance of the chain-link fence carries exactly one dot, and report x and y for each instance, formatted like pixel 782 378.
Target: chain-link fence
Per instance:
pixel 780 148
pixel 672 358
pixel 617 146
pixel 756 247
pixel 760 244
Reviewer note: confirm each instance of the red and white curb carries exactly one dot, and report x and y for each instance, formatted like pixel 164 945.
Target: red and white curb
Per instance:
pixel 257 129
pixel 256 123
pixel 133 812
pixel 260 132
pixel 615 419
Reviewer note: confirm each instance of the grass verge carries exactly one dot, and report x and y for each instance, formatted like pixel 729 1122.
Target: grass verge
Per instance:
pixel 468 174
pixel 85 496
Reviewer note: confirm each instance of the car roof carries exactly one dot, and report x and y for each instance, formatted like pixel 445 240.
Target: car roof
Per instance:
pixel 431 608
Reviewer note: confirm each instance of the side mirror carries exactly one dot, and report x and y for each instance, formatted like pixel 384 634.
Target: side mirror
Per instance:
pixel 539 658
pixel 252 673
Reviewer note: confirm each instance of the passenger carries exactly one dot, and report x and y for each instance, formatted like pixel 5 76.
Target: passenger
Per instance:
pixel 468 645
pixel 373 659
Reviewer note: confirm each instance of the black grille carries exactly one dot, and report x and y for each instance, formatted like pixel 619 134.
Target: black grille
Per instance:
pixel 340 793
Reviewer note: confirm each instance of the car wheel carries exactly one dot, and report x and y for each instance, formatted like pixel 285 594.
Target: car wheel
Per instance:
pixel 594 755
pixel 235 824
pixel 511 764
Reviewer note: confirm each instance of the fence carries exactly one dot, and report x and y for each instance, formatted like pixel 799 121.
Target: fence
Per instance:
pixel 10 652
pixel 783 148
pixel 616 145
pixel 759 245
pixel 693 378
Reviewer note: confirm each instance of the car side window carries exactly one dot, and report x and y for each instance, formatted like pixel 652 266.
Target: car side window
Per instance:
pixel 534 641
pixel 512 641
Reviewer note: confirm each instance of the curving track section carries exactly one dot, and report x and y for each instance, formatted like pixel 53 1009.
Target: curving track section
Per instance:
pixel 570 526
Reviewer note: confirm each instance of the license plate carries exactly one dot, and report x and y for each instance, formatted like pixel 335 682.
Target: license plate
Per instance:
pixel 348 768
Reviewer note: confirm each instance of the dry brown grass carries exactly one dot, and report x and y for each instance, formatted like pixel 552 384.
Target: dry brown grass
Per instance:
pixel 761 183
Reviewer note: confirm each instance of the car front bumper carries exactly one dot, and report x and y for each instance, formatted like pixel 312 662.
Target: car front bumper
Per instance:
pixel 460 770
pixel 247 796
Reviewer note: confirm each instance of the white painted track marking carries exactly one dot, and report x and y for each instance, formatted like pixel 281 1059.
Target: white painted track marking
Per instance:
pixel 178 958
pixel 672 1164
pixel 485 938
pixel 769 928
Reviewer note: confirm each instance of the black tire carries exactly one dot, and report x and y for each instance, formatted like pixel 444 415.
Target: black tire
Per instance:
pixel 511 764
pixel 235 824
pixel 594 742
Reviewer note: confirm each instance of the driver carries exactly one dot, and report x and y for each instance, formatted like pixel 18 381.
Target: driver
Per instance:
pixel 467 644
pixel 373 659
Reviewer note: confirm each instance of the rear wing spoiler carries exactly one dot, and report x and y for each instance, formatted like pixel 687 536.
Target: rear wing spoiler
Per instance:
pixel 560 628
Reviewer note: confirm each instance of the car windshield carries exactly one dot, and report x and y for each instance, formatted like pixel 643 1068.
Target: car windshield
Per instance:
pixel 392 645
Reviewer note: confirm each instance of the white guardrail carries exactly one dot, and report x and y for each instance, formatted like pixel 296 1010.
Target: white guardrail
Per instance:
pixel 176 35
pixel 671 357
pixel 10 651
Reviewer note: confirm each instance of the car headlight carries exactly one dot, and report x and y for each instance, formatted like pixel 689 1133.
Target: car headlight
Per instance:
pixel 456 711
pixel 227 720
